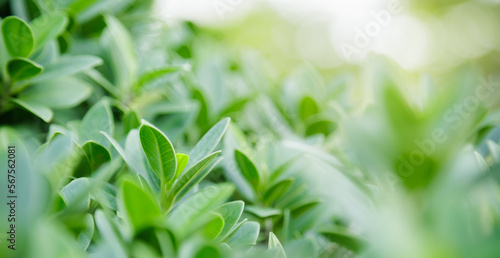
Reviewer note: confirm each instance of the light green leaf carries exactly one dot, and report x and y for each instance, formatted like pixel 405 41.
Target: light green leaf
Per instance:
pixel 246 235
pixel 262 212
pixel 98 118
pixel 121 49
pixel 275 244
pixel 159 152
pixel 213 227
pixel 182 160
pixel 67 65
pixel 21 69
pixel 109 235
pixel 247 168
pixel 85 236
pixel 193 212
pixel 308 107
pixel 208 142
pixel 140 208
pixel 47 27
pixel 231 213
pixel 43 112
pixel 17 36
pixel 277 190
pixel 64 92
pixel 157 73
pixel 105 194
pixel 76 193
pixel 184 182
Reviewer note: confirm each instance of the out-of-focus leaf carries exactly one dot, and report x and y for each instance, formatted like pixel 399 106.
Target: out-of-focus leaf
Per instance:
pixel 263 212
pixel 140 208
pixel 208 142
pixel 159 152
pixel 156 74
pixel 248 169
pixel 67 65
pixel 246 236
pixel 208 251
pixel 105 194
pixel 17 36
pixel 47 27
pixel 85 236
pixel 231 213
pixel 120 46
pixel 63 92
pixel 300 248
pixel 308 107
pixel 108 232
pixel 275 244
pixel 76 193
pixel 22 69
pixel 192 212
pixel 277 190
pixel 131 121
pixel 96 154
pixel 98 118
pixel 44 112
pixel 214 227
pixel 351 242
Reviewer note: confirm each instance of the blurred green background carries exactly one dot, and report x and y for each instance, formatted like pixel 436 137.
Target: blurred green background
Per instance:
pixel 354 128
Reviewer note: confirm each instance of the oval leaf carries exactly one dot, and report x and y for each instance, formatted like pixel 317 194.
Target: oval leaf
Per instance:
pixel 247 168
pixel 159 152
pixel 17 36
pixel 22 69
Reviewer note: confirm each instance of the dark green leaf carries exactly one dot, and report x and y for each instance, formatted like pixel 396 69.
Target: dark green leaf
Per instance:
pixel 248 169
pixel 21 69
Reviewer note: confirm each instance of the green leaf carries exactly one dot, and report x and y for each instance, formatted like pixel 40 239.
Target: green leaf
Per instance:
pixel 185 181
pixel 157 73
pixel 303 206
pixel 277 190
pixel 17 36
pixel 213 227
pixel 208 251
pixel 262 212
pixel 76 194
pixel 96 154
pixel 21 69
pixel 121 49
pixel 208 142
pixel 351 242
pixel 67 65
pixel 39 110
pixel 140 208
pixel 131 121
pixel 159 152
pixel 274 244
pixel 246 236
pixel 193 212
pixel 64 92
pixel 105 194
pixel 182 160
pixel 47 27
pixel 87 232
pixel 247 168
pixel 98 118
pixel 308 107
pixel 109 235
pixel 231 213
